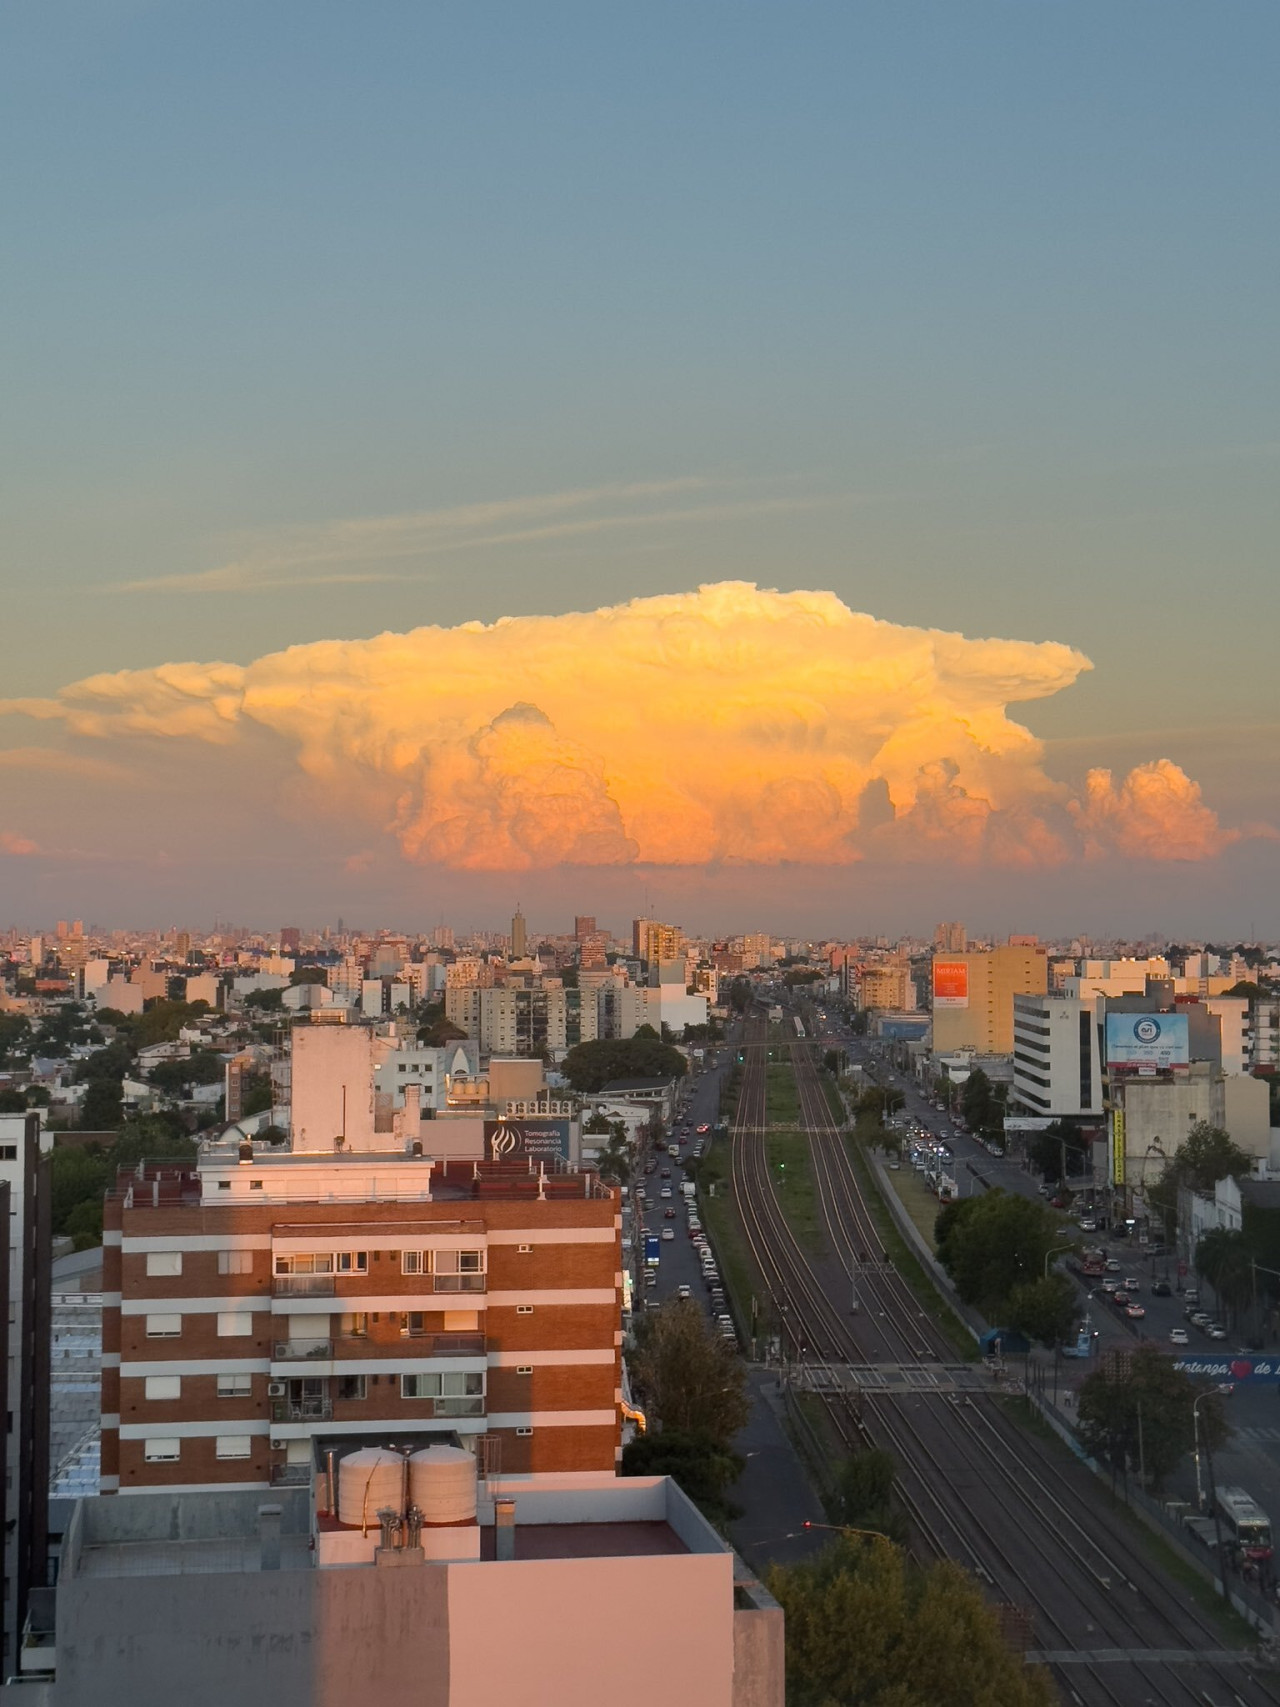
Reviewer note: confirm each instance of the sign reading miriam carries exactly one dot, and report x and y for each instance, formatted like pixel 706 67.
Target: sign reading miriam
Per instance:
pixel 951 983
pixel 1246 1371
pixel 545 1140
pixel 1138 1042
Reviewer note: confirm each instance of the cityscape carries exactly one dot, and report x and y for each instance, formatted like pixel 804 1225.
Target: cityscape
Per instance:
pixel 639 854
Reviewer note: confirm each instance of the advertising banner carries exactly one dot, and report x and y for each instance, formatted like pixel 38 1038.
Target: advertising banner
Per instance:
pixel 1117 1146
pixel 543 1140
pixel 951 984
pixel 1238 1371
pixel 1139 1043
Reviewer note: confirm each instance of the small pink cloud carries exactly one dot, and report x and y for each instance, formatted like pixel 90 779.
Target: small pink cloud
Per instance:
pixel 18 846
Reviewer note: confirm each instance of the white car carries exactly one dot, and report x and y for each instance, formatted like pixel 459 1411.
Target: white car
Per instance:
pixel 684 1292
pixel 665 1192
pixel 668 1232
pixel 1179 1336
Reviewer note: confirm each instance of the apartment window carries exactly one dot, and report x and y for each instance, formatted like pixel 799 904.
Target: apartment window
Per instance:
pixel 415 1262
pixel 354 1325
pixel 414 1323
pixel 444 1385
pixel 164 1262
pixel 235 1262
pixel 524 1369
pixel 162 1449
pixel 459 1262
pixel 164 1327
pixel 352 1386
pixel 255 1185
pixel 352 1262
pixel 8 1152
pixel 524 1431
pixel 524 1250
pixel 524 1309
pixel 224 1185
pixel 164 1386
pixel 235 1386
pixel 234 1324
pixel 234 1446
pixel 324 1262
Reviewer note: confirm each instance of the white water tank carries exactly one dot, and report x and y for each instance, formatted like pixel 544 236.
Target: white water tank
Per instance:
pixel 442 1484
pixel 368 1480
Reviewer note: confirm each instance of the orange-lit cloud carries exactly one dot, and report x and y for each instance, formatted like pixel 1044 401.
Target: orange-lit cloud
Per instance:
pixel 17 846
pixel 728 724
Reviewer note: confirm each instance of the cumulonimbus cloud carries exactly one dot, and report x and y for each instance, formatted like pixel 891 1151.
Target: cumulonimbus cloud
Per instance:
pixel 727 724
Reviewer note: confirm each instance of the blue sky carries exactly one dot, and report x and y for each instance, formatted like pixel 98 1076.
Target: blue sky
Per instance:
pixel 966 312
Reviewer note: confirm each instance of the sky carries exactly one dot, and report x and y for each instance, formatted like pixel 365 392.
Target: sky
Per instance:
pixel 383 384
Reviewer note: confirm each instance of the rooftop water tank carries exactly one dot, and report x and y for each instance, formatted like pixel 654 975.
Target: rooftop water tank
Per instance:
pixel 368 1480
pixel 442 1484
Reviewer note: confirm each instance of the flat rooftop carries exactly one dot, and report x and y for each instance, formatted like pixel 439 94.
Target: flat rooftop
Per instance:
pixel 587 1540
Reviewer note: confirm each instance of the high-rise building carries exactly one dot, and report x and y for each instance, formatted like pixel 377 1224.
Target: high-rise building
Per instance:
pixel 25 1209
pixel 652 941
pixel 950 938
pixel 1057 1066
pixel 519 936
pixel 290 940
pixel 583 926
pixel 973 996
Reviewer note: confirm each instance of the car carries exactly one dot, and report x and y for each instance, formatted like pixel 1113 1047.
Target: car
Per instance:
pixel 895 1166
pixel 1179 1336
pixel 1191 1296
pixel 651 1167
pixel 1120 1298
pixel 669 1213
pixel 1215 1330
pixel 1113 1266
pixel 1106 1285
pixel 1161 1289
pixel 1135 1312
pixel 668 1232
pixel 1088 1225
pixel 703 1129
pixel 1133 1286
pixel 666 1173
pixel 641 1192
pixel 1199 1318
pixel 684 1292
pixel 665 1192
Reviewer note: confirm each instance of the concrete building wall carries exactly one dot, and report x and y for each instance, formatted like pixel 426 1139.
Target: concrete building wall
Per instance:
pixel 1057 1067
pixel 985 1021
pixel 333 1087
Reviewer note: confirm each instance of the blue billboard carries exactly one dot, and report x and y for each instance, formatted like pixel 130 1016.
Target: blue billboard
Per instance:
pixel 1238 1371
pixel 1138 1043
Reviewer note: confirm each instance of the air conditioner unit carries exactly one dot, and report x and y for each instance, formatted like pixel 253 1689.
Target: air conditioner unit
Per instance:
pixel 282 1350
pixel 277 1389
pixel 278 1445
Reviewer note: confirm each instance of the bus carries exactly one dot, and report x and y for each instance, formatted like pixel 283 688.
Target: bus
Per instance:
pixel 1093 1264
pixel 1249 1525
pixel 652 1250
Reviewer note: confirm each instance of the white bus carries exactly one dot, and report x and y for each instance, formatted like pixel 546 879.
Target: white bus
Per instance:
pixel 1249 1525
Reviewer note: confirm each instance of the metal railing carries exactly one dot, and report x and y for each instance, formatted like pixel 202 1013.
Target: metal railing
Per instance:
pixel 446 1345
pixel 290 1475
pixel 299 1351
pixel 301 1410
pixel 303 1285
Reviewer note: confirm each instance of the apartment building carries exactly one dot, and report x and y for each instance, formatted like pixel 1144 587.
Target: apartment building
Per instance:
pixel 513 1020
pixel 652 941
pixel 973 996
pixel 25 1303
pixel 1057 1065
pixel 259 1304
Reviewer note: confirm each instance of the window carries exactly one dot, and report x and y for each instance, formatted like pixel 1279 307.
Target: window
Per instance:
pixel 459 1262
pixel 415 1262
pixel 164 1262
pixel 255 1185
pixel 8 1152
pixel 352 1386
pixel 524 1431
pixel 324 1262
pixel 354 1325
pixel 161 1449
pixel 524 1309
pixel 524 1250
pixel 414 1322
pixel 444 1385
pixel 233 1324
pixel 352 1262
pixel 164 1327
pixel 164 1386
pixel 234 1446
pixel 224 1185
pixel 235 1262
pixel 524 1369
pixel 235 1386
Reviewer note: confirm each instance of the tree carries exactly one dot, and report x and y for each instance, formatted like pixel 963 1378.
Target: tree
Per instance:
pixel 983 1104
pixel 691 1379
pixel 1224 1259
pixel 993 1244
pixel 12 1102
pixel 832 1062
pixel 1046 1151
pixel 264 1001
pixel 1044 1309
pixel 175 1078
pixel 740 994
pixel 1208 1154
pixel 1139 1412
pixel 15 1039
pixel 101 1108
pixel 863 1494
pixel 591 1066
pixel 704 1468
pixel 309 975
pixel 866 1626
pixel 434 1029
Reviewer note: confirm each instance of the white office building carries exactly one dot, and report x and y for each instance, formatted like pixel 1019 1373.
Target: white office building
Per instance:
pixel 1057 1067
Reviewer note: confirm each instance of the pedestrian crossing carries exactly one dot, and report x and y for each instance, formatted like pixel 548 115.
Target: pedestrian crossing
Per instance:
pixel 1255 1437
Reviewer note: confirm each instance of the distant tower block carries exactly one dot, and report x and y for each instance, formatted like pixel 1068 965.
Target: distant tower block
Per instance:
pixel 519 936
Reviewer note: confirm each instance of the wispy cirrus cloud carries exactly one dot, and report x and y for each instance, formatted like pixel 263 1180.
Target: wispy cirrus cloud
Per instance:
pixel 366 549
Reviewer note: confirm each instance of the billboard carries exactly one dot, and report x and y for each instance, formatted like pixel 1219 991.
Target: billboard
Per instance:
pixel 1147 1043
pixel 1117 1146
pixel 951 983
pixel 541 1140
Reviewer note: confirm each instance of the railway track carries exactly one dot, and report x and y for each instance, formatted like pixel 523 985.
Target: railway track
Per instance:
pixel 976 1488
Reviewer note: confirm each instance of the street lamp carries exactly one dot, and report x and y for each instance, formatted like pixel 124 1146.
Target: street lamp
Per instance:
pixel 852 1529
pixel 1213 1393
pixel 1055 1250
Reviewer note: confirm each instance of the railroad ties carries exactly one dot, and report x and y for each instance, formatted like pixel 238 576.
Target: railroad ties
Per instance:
pixel 890 1378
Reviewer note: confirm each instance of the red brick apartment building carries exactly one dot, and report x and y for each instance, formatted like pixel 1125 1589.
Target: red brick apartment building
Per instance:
pixel 260 1308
